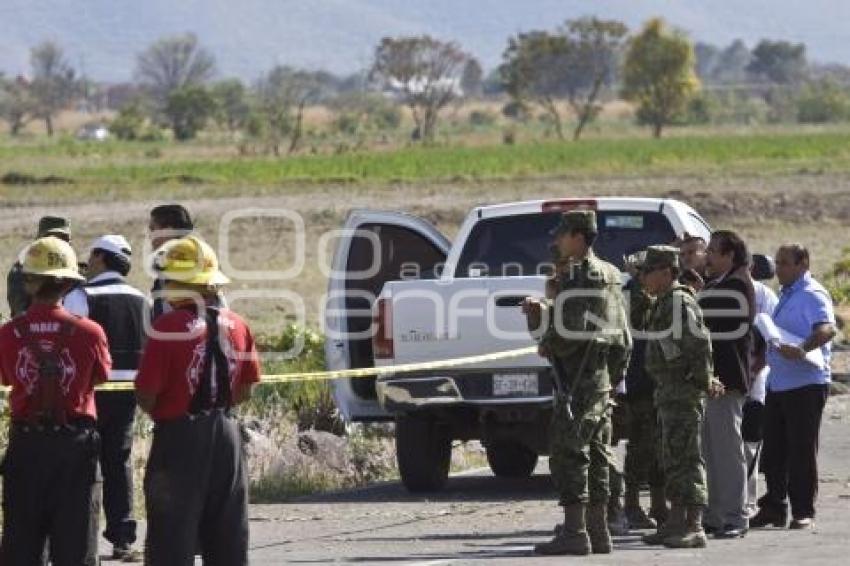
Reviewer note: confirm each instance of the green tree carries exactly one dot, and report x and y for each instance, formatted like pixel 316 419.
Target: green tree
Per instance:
pixel 424 72
pixel 732 63
pixel 172 63
pixel 16 103
pixel 54 85
pixel 232 104
pixel 187 110
pixel 595 46
pixel 658 74
pixel 574 63
pixel 779 62
pixel 533 71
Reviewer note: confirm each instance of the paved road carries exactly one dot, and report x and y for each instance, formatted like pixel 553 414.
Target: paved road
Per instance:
pixel 480 519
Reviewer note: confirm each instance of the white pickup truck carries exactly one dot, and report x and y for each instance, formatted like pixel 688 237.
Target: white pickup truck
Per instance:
pixel 401 293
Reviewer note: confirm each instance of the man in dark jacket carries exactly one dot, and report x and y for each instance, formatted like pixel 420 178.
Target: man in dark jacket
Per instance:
pixel 728 305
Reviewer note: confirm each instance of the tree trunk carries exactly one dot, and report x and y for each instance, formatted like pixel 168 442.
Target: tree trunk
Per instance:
pixel 48 122
pixel 583 119
pixel 656 129
pixel 552 109
pixel 296 132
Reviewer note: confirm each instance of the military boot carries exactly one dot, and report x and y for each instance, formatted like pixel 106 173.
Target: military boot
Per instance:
pixel 675 524
pixel 572 538
pixel 693 536
pixel 658 504
pixel 597 529
pixel 618 525
pixel 635 514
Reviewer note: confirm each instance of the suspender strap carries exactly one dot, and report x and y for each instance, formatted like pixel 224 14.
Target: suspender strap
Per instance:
pixel 216 361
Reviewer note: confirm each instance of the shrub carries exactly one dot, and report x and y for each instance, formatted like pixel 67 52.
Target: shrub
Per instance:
pixel 129 122
pixel 822 103
pixel 310 400
pixel 482 118
pixel 838 279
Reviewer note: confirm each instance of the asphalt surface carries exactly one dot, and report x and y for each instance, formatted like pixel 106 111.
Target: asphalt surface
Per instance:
pixel 480 519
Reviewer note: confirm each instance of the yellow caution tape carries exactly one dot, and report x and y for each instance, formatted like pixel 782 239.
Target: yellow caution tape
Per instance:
pixel 363 372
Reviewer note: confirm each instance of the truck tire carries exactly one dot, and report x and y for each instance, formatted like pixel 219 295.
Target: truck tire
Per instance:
pixel 511 459
pixel 423 451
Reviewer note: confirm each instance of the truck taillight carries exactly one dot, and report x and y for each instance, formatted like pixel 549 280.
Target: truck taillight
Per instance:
pixel 382 339
pixel 564 205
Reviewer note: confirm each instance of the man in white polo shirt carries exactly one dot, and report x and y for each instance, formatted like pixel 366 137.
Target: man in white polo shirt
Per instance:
pixel 120 310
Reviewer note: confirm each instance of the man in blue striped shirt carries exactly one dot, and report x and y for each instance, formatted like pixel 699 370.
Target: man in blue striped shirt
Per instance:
pixel 796 394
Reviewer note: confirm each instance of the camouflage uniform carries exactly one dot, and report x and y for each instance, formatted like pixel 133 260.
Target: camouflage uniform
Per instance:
pixel 643 451
pixel 16 295
pixel 581 427
pixel 678 357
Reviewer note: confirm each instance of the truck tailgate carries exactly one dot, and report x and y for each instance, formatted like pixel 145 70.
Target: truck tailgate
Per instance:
pixel 438 320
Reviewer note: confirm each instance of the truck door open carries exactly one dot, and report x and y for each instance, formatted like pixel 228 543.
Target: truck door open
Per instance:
pixel 374 247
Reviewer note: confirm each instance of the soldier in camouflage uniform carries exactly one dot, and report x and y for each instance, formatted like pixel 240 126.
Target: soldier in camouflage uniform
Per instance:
pixel 643 451
pixel 16 295
pixel 678 357
pixel 587 340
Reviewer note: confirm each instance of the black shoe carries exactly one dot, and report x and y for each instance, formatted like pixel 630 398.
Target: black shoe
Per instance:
pixel 769 517
pixel 802 524
pixel 126 553
pixel 728 531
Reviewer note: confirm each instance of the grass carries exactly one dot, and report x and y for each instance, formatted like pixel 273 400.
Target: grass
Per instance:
pixel 107 171
pixel 592 157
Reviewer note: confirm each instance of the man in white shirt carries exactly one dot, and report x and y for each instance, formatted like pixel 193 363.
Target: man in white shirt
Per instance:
pixel 120 309
pixel 762 269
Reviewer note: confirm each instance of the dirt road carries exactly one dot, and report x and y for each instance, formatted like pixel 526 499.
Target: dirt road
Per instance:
pixel 480 519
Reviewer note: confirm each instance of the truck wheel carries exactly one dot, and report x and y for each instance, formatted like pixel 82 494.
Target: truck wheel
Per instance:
pixel 511 460
pixel 423 450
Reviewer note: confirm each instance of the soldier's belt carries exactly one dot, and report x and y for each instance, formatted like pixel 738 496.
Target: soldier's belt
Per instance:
pixel 295 377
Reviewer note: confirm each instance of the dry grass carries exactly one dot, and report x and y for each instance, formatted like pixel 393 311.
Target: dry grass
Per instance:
pixel 814 212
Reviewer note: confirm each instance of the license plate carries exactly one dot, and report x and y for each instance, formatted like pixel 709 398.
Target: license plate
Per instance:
pixel 523 384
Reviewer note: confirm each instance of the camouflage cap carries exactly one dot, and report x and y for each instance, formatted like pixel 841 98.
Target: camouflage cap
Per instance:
pixel 576 220
pixel 659 257
pixel 54 226
pixel 636 260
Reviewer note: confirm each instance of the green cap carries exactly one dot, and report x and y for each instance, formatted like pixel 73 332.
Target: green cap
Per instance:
pixel 659 257
pixel 576 220
pixel 53 226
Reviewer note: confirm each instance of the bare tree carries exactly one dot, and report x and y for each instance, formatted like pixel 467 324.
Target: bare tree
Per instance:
pixel 54 84
pixel 15 103
pixel 172 63
pixel 426 73
pixel 282 96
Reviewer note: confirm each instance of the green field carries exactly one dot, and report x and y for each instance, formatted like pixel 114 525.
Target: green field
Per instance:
pixel 99 169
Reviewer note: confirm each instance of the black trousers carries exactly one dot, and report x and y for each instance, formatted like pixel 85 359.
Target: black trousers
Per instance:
pixel 51 495
pixel 196 492
pixel 789 458
pixel 116 411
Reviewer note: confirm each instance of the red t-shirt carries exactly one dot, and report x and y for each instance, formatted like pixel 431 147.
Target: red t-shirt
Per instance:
pixel 173 359
pixel 83 353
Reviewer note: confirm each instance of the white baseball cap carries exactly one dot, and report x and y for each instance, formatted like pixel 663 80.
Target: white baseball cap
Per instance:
pixel 115 244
